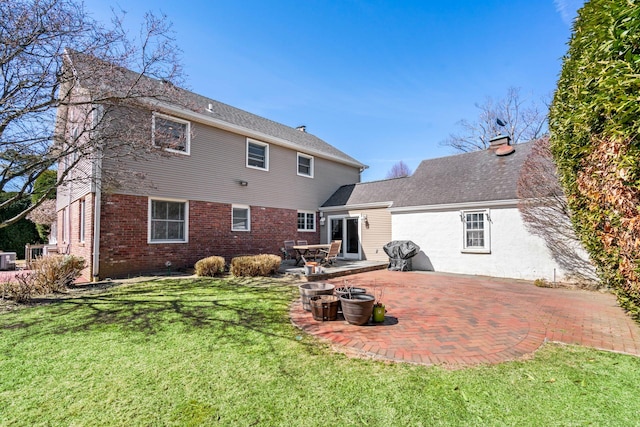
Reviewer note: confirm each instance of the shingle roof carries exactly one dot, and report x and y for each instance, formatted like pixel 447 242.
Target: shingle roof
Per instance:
pixel 366 192
pixel 118 80
pixel 238 117
pixel 470 177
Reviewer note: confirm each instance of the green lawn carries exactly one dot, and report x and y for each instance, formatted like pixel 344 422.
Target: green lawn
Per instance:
pixel 223 352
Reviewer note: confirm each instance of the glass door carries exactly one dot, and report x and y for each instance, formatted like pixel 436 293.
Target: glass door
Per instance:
pixel 347 230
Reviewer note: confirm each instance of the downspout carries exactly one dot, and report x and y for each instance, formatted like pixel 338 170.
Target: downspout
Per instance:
pixel 97 203
pixel 95 274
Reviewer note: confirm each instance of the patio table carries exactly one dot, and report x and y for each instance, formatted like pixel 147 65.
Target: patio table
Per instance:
pixel 304 251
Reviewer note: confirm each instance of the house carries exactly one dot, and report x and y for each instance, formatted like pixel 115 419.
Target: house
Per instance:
pixel 462 211
pixel 228 183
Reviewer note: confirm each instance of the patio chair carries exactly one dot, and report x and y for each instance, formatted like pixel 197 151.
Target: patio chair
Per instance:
pixel 302 242
pixel 329 256
pixel 288 252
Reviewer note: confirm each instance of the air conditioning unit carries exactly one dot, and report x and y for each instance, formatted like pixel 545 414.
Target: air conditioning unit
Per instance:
pixel 7 260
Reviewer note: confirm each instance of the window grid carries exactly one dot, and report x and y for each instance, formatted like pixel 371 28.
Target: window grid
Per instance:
pixel 240 219
pixel 257 155
pixel 171 134
pixel 305 165
pixel 168 220
pixel 306 221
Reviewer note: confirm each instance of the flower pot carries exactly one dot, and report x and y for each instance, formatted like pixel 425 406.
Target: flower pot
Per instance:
pixel 324 307
pixel 345 291
pixel 357 309
pixel 312 289
pixel 378 313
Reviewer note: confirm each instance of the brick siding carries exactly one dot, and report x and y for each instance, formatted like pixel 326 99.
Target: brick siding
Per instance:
pixel 124 250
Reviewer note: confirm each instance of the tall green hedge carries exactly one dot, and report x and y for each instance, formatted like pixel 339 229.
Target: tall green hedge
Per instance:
pixel 14 237
pixel 594 122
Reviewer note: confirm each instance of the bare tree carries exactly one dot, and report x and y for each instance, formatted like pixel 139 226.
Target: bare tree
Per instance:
pixel 398 170
pixel 524 120
pixel 544 209
pixel 62 76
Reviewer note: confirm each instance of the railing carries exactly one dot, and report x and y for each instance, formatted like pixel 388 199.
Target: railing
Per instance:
pixel 31 252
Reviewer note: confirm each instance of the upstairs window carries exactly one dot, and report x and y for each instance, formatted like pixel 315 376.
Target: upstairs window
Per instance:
pixel 171 133
pixel 257 155
pixel 240 218
pixel 167 221
pixel 305 165
pixel 306 221
pixel 476 231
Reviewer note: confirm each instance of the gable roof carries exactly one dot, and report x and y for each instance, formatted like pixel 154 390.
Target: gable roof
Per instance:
pixel 106 79
pixel 302 140
pixel 366 193
pixel 478 176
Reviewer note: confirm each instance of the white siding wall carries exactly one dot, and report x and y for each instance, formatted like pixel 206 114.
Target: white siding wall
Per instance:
pixel 515 253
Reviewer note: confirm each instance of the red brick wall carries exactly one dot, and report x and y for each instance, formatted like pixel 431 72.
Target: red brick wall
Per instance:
pixel 124 249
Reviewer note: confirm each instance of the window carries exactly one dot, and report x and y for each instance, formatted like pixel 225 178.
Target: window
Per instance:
pixel 305 165
pixel 82 219
pixel 65 225
pixel 168 221
pixel 306 221
pixel 257 155
pixel 240 218
pixel 171 133
pixel 476 232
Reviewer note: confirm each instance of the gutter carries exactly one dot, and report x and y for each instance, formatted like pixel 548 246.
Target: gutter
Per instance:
pixel 359 206
pixel 457 206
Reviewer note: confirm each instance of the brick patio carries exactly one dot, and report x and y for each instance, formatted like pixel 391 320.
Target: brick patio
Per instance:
pixel 445 319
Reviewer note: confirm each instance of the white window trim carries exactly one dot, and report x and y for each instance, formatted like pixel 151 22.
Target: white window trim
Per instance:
pixel 311 165
pixel 305 230
pixel 248 208
pixel 186 221
pixel 82 214
pixel 486 249
pixel 187 150
pixel 266 154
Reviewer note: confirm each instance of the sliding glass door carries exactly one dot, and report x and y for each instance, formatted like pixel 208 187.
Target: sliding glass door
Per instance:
pixel 346 229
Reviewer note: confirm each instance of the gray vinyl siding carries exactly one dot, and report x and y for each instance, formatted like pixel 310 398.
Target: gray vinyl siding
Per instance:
pixel 373 238
pixel 217 163
pixel 78 183
pixel 377 235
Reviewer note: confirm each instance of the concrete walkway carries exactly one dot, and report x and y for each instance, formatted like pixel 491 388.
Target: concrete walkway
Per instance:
pixel 445 319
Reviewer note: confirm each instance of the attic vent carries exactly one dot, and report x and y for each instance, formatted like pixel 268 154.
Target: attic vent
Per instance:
pixel 302 128
pixel 210 108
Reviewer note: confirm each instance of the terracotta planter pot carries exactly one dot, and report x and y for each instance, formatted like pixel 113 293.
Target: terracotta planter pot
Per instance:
pixel 357 309
pixel 312 289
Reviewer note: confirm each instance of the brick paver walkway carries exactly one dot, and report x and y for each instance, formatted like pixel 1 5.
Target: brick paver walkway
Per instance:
pixel 437 318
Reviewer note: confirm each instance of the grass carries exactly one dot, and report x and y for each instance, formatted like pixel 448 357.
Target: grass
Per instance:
pixel 222 352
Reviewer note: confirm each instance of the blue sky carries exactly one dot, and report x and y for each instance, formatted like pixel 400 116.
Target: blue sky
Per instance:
pixel 381 80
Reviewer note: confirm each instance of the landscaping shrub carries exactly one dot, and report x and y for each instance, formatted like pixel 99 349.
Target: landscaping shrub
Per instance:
pixel 255 265
pixel 49 274
pixel 210 266
pixel 594 124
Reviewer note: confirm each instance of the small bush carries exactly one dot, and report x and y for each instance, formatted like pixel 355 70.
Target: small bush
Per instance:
pixel 49 274
pixel 210 266
pixel 255 265
pixel 542 283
